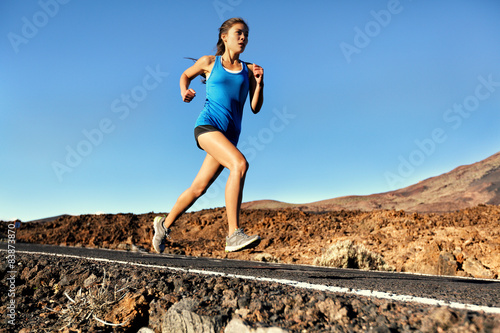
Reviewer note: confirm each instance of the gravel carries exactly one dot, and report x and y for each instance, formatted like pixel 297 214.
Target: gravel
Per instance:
pixel 77 295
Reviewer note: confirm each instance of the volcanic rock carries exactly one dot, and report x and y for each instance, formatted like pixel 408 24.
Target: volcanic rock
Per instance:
pixel 476 269
pixel 447 265
pixel 182 318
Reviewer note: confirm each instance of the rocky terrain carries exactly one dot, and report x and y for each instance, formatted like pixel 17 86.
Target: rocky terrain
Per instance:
pixel 464 243
pixel 56 294
pixel 446 225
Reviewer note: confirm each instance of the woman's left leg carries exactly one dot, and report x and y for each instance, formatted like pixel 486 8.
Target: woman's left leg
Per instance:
pixel 208 173
pixel 222 150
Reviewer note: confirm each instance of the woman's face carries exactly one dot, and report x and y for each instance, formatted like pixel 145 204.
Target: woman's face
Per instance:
pixel 236 38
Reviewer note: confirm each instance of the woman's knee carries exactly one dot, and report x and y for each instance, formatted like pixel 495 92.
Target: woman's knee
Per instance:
pixel 240 166
pixel 198 190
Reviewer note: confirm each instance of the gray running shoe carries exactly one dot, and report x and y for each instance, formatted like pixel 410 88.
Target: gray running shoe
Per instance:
pixel 160 234
pixel 240 241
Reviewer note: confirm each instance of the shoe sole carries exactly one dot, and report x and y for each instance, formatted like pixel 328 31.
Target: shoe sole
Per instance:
pixel 247 246
pixel 156 227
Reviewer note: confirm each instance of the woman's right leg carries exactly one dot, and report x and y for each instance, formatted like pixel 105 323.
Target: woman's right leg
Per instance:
pixel 209 171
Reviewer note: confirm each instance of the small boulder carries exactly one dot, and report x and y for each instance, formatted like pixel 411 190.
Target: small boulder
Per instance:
pixel 181 318
pixel 447 265
pixel 145 330
pixel 132 311
pixel 90 281
pixel 236 325
pixel 476 269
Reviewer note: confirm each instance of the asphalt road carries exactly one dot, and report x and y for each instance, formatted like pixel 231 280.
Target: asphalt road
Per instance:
pixel 480 292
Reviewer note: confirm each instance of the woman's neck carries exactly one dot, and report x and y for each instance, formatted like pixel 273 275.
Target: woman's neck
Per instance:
pixel 230 57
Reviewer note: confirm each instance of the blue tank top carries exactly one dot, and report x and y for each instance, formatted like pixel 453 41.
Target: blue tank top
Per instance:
pixel 226 95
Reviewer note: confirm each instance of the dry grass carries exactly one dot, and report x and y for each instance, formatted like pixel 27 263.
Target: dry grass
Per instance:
pixel 346 254
pixel 91 304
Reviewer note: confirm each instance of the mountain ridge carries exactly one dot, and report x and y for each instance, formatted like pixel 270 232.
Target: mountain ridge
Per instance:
pixel 463 187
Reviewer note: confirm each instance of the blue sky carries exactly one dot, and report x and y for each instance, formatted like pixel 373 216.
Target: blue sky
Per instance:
pixel 360 98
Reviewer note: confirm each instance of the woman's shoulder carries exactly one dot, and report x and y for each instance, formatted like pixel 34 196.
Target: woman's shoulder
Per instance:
pixel 207 59
pixel 249 66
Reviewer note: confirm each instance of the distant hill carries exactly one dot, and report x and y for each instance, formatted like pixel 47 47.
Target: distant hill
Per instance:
pixel 49 219
pixel 266 204
pixel 463 187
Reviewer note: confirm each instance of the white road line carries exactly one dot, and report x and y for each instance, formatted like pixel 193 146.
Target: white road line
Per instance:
pixel 304 285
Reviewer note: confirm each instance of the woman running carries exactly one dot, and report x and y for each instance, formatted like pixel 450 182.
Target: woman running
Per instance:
pixel 228 82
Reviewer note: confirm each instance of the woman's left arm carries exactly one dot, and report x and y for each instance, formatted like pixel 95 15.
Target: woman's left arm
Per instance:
pixel 256 77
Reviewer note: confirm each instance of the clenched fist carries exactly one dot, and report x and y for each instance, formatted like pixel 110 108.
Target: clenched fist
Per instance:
pixel 188 95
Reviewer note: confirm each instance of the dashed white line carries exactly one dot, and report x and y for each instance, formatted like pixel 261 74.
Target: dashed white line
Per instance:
pixel 304 285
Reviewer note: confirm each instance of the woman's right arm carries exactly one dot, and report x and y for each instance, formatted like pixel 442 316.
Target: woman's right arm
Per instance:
pixel 201 66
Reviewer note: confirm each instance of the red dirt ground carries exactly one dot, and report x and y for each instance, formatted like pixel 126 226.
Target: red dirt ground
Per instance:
pixel 409 242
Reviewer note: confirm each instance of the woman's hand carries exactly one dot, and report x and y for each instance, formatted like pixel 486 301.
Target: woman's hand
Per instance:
pixel 188 95
pixel 256 88
pixel 258 73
